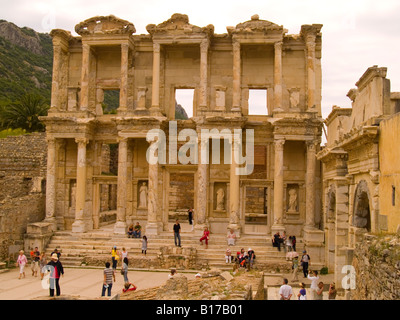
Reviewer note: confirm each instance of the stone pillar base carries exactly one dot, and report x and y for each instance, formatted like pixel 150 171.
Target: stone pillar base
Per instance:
pixel 52 223
pixel 277 227
pixel 153 228
pixel 120 227
pixel 314 245
pixel 80 226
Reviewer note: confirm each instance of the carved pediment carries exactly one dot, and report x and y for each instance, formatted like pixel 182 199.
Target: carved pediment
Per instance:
pixel 256 25
pixel 179 24
pixel 105 25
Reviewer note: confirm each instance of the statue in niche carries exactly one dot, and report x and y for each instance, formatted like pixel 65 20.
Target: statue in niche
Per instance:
pixel 143 195
pixel 292 200
pixel 220 200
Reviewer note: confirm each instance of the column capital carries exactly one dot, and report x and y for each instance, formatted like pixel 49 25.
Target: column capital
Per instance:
pixel 279 144
pixel 156 47
pixel 82 141
pixel 311 145
pixel 204 45
pixel 278 45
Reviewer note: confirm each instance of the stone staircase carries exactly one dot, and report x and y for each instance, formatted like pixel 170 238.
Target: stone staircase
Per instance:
pixel 98 243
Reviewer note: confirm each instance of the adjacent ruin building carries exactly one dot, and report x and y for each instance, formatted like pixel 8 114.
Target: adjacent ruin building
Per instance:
pixel 144 72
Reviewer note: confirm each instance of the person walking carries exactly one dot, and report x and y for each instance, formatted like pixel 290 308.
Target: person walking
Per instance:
pixel 285 291
pixel 144 245
pixel 21 262
pixel 42 264
pixel 35 257
pixel 177 233
pixel 206 237
pixel 295 267
pixel 109 275
pixel 305 261
pixel 276 241
pixel 56 271
pixel 124 269
pixel 124 254
pixel 314 284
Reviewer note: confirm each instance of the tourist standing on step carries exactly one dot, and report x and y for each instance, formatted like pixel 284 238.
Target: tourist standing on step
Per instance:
pixel 206 237
pixel 109 275
pixel 144 245
pixel 56 271
pixel 21 262
pixel 190 217
pixel 177 233
pixel 228 255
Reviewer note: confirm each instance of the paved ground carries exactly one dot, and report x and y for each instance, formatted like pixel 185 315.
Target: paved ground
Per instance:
pixel 86 283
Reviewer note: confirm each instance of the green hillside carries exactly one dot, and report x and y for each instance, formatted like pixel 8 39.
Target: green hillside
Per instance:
pixel 26 59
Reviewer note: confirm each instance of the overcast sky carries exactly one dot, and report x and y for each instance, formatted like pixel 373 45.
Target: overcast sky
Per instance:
pixel 356 34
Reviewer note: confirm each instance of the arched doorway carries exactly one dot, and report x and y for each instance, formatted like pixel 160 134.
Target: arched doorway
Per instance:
pixel 362 212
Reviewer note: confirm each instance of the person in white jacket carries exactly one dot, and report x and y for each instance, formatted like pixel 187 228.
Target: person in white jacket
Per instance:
pixel 314 284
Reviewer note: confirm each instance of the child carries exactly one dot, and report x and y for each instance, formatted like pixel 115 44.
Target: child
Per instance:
pixel 144 245
pixel 21 262
pixel 228 256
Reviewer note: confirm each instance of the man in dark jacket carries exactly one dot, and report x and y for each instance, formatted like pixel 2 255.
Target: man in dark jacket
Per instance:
pixel 56 270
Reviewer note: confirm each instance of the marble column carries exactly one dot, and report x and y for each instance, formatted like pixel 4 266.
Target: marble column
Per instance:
pixel 123 91
pixel 152 227
pixel 310 184
pixel 203 74
pixel 55 85
pixel 310 45
pixel 80 199
pixel 85 76
pixel 120 225
pixel 278 186
pixel 202 187
pixel 155 95
pixel 51 182
pixel 236 105
pixel 234 190
pixel 278 77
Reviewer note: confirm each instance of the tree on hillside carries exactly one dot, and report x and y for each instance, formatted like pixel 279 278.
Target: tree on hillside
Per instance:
pixel 24 113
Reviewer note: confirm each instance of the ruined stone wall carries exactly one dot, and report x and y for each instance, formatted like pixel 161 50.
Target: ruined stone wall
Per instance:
pixel 377 264
pixel 22 189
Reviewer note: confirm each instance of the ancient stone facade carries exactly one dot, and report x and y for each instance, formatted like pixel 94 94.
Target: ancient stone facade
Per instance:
pixel 283 189
pixel 360 168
